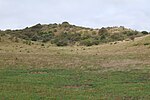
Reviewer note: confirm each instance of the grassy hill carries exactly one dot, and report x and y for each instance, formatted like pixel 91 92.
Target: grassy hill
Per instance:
pixel 34 68
pixel 65 34
pixel 107 72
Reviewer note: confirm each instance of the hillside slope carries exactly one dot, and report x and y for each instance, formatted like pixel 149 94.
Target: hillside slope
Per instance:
pixel 65 34
pixel 109 71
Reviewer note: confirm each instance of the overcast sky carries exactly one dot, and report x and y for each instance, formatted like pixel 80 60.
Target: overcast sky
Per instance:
pixel 135 14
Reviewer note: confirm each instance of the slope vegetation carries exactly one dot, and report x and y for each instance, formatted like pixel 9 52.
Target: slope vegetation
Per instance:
pixel 65 34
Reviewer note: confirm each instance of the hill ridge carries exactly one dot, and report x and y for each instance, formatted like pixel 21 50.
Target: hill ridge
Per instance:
pixel 66 34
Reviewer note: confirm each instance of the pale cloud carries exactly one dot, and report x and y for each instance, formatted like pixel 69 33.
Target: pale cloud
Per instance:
pixel 91 13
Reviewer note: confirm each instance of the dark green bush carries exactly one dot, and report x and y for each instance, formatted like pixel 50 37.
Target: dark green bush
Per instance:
pixel 102 31
pixel 146 43
pixel 35 38
pixel 65 24
pixel 42 44
pixel 117 37
pixel 130 33
pixel 61 42
pixel 86 42
pixel 89 42
pixel 144 32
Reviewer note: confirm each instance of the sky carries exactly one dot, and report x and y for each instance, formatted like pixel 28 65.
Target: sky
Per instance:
pixel 18 14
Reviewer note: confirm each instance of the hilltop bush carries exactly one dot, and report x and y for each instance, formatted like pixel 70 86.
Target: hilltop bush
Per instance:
pixel 144 32
pixel 102 31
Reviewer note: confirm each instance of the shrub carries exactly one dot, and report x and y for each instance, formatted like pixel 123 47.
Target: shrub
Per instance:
pixel 103 37
pixel 131 33
pixel 37 27
pixel 45 40
pixel 117 37
pixel 86 42
pixel 132 38
pixel 74 37
pixel 102 30
pixel 55 30
pixel 144 32
pixel 47 37
pixel 96 42
pixel 62 42
pixel 89 42
pixel 2 33
pixel 85 36
pixel 65 24
pixel 16 39
pixel 42 44
pixel 146 43
pixel 35 38
pixel 28 42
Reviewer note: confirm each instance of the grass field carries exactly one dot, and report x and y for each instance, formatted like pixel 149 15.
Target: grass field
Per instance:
pixel 109 72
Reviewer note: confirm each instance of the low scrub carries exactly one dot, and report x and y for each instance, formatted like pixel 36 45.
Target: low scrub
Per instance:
pixel 65 34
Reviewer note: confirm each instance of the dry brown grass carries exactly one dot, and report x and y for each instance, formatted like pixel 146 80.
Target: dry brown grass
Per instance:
pixel 117 56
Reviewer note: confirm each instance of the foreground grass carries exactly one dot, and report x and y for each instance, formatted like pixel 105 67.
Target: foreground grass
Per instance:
pixel 74 84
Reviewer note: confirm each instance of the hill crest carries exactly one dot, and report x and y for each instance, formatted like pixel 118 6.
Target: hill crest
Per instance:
pixel 66 34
